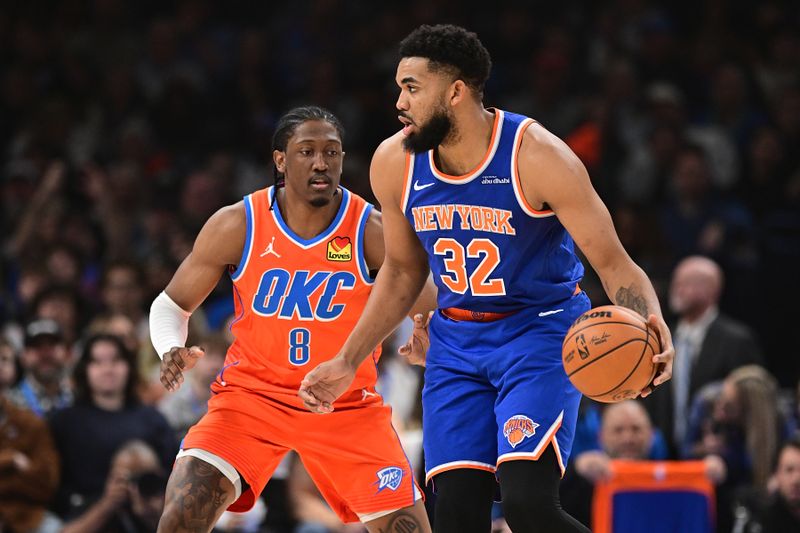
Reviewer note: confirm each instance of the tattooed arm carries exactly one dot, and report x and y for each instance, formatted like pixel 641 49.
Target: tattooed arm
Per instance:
pixel 553 176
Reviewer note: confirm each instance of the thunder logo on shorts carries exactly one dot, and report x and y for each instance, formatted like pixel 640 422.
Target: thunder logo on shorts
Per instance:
pixel 389 478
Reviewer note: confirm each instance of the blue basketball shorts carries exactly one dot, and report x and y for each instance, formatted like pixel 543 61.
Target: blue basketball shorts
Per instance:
pixel 497 391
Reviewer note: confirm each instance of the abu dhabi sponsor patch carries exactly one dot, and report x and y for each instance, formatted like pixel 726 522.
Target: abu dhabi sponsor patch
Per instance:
pixel 518 428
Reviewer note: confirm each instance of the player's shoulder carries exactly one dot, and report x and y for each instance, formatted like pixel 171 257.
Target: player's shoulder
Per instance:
pixel 230 217
pixel 540 148
pixel 225 232
pixel 390 151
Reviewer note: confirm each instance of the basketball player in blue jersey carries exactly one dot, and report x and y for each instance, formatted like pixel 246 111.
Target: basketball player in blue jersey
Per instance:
pixel 490 202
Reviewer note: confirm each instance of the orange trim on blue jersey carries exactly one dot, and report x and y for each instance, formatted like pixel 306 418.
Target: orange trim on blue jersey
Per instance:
pixel 517 180
pixel 455 465
pixel 408 169
pixel 549 436
pixel 494 141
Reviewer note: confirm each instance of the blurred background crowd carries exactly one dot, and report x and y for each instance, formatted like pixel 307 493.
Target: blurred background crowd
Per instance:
pixel 125 125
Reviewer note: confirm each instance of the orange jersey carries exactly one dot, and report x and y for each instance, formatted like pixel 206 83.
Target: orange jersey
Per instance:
pixel 297 300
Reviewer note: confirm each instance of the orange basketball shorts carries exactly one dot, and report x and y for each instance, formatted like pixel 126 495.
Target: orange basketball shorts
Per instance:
pixel 353 455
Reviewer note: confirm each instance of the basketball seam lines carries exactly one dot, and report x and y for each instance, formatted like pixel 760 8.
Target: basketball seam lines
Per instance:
pixel 610 322
pixel 615 348
pixel 639 362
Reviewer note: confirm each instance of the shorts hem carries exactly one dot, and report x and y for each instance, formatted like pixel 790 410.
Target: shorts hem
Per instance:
pixel 547 438
pixel 453 465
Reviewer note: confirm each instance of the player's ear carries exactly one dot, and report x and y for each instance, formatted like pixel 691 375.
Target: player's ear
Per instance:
pixel 279 158
pixel 458 91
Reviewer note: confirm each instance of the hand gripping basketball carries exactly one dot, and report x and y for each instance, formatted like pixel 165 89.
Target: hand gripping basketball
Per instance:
pixel 608 354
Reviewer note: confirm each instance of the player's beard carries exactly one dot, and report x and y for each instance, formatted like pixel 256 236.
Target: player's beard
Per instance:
pixel 433 133
pixel 320 201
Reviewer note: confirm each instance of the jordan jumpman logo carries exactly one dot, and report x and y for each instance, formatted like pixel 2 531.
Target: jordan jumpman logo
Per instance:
pixel 269 249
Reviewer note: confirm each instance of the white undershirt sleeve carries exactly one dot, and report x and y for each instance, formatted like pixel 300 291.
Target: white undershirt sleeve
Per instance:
pixel 169 324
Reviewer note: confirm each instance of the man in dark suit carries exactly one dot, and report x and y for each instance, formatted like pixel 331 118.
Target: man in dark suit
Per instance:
pixel 708 344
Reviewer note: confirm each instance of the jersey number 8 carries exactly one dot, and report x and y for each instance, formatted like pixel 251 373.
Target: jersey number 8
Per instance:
pixel 299 351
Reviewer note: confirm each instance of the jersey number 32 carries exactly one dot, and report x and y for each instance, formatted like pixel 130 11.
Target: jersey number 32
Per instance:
pixel 457 279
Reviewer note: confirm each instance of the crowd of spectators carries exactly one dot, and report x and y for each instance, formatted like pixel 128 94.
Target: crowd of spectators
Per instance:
pixel 125 125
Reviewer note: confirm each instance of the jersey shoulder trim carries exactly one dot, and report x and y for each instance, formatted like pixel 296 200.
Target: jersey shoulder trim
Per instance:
pixel 408 174
pixel 515 178
pixel 248 243
pixel 363 267
pixel 494 142
pixel 305 244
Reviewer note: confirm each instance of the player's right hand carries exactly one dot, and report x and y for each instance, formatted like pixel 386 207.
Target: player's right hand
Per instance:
pixel 416 349
pixel 594 465
pixel 323 385
pixel 175 362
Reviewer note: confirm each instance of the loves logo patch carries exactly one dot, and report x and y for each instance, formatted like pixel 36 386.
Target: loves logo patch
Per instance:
pixel 340 249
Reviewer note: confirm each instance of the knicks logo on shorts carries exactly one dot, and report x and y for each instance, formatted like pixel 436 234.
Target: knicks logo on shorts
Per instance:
pixel 340 249
pixel 389 477
pixel 518 428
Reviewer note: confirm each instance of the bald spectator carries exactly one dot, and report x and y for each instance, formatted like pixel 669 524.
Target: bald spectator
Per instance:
pixel 708 344
pixel 626 433
pixel 45 384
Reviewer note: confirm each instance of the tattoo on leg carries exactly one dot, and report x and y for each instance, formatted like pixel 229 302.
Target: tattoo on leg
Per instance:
pixel 632 298
pixel 201 495
pixel 402 522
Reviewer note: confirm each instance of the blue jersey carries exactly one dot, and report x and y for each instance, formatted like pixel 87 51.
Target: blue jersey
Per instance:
pixel 488 249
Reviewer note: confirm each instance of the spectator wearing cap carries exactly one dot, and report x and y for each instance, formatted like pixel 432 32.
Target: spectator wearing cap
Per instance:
pixel 45 385
pixel 28 463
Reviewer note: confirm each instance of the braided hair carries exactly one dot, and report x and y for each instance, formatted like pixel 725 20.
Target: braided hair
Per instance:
pixel 285 128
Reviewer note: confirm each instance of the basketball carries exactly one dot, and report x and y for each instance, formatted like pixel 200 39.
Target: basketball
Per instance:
pixel 608 353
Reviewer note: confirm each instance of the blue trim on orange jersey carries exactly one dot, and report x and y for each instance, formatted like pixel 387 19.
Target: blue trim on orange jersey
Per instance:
pixel 322 236
pixel 241 308
pixel 248 243
pixel 363 267
pixel 408 462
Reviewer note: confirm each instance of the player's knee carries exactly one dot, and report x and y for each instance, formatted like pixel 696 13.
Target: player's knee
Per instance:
pixel 531 511
pixel 197 494
pixel 463 500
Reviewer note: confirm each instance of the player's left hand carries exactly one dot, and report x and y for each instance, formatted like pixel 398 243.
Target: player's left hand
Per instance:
pixel 664 359
pixel 416 349
pixel 323 385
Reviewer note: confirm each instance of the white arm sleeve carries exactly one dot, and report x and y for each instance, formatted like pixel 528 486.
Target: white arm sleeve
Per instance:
pixel 169 324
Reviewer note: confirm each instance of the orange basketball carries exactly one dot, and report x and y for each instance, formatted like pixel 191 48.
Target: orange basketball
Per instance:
pixel 608 353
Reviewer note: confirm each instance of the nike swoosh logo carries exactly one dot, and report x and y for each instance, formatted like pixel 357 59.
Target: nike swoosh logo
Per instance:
pixel 418 187
pixel 547 313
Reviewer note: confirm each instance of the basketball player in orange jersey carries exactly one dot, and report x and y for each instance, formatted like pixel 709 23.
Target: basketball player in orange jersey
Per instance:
pixel 490 202
pixel 301 258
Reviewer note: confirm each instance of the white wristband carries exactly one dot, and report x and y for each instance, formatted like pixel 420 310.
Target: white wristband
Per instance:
pixel 169 324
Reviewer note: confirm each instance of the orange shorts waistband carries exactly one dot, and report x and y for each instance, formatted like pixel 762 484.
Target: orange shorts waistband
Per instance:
pixel 455 313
